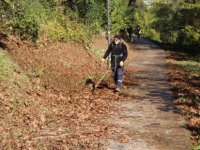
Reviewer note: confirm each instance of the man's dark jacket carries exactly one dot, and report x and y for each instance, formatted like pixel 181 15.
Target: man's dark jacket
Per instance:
pixel 118 53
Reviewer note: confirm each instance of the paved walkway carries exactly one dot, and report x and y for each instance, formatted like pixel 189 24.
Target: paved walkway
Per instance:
pixel 150 121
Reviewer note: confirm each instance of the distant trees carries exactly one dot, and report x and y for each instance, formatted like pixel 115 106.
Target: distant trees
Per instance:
pixel 169 21
pixel 172 21
pixel 178 22
pixel 31 19
pixel 93 13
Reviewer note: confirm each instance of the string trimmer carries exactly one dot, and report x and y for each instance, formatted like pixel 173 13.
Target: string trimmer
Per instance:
pixel 92 84
pixel 104 75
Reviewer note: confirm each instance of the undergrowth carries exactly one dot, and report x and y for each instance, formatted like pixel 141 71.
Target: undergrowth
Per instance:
pixel 41 21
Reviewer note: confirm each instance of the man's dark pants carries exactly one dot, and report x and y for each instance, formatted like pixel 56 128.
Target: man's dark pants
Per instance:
pixel 118 75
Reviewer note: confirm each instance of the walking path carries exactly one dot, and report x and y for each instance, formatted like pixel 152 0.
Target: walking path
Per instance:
pixel 150 121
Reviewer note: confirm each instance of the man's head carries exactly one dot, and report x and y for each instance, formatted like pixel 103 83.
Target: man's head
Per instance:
pixel 117 39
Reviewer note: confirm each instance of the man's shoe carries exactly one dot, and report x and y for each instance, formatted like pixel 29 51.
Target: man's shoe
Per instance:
pixel 117 89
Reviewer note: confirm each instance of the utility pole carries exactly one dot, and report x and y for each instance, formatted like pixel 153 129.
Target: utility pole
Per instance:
pixel 108 15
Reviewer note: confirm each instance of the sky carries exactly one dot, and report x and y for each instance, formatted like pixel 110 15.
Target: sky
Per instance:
pixel 147 1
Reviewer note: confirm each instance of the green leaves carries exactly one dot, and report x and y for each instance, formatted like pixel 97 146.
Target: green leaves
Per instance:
pixel 176 22
pixel 120 15
pixel 27 28
pixel 94 14
pixel 8 1
pixel 189 38
pixel 28 19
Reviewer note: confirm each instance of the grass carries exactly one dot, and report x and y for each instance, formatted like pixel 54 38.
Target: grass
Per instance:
pixel 9 70
pixel 6 66
pixel 38 72
pixel 191 66
pixel 196 147
pixel 12 80
pixel 184 74
pixel 18 109
pixel 97 51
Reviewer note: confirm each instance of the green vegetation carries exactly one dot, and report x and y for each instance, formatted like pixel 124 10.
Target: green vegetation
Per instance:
pixel 172 22
pixel 33 20
pixel 97 51
pixel 184 74
pixel 11 80
pixel 196 147
pixel 58 20
pixel 38 72
pixel 168 21
pixel 120 15
pixel 191 66
pixel 8 70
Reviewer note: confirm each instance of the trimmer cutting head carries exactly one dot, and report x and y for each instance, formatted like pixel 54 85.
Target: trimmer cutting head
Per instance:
pixel 90 83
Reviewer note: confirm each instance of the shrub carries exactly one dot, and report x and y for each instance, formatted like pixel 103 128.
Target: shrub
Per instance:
pixel 151 33
pixel 190 39
pixel 27 28
pixel 66 31
pixel 169 37
pixel 30 19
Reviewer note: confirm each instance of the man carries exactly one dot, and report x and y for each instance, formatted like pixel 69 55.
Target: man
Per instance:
pixel 119 54
pixel 138 32
pixel 130 32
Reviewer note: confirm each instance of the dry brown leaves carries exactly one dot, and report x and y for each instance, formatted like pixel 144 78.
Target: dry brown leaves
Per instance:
pixel 56 110
pixel 187 91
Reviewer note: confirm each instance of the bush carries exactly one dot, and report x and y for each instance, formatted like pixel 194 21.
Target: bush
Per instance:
pixel 65 32
pixel 190 39
pixel 178 23
pixel 169 37
pixel 30 20
pixel 151 33
pixel 27 28
pixel 54 31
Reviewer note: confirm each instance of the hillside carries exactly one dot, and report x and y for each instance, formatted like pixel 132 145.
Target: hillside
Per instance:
pixel 40 90
pixel 50 48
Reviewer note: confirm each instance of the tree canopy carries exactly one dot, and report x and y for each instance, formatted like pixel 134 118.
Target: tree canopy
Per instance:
pixel 172 22
pixel 169 21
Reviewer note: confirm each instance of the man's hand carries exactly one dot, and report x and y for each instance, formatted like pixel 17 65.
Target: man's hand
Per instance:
pixel 103 60
pixel 121 63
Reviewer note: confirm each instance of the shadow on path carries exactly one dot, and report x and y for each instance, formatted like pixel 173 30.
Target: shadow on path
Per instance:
pixel 150 121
